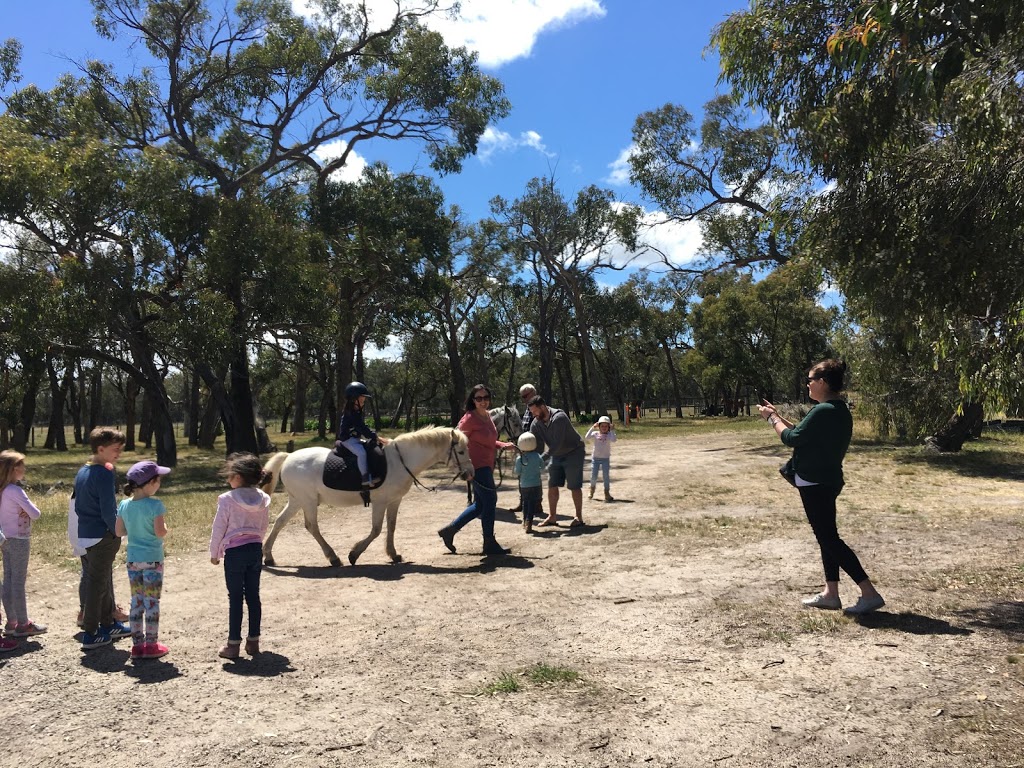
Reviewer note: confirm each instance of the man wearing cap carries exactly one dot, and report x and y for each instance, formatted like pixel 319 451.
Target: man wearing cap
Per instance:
pixel 563 445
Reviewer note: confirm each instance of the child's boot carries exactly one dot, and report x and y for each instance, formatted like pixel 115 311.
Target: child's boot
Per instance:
pixel 592 487
pixel 607 495
pixel 252 646
pixel 230 650
pixel 366 481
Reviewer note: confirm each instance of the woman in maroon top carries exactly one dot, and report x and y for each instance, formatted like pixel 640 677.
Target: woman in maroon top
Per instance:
pixel 477 426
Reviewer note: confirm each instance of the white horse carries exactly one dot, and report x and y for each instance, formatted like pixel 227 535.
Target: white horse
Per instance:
pixel 407 455
pixel 507 417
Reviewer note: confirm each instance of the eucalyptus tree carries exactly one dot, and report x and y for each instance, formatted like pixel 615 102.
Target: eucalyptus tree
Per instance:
pixel 567 244
pixel 912 110
pixel 384 236
pixel 758 335
pixel 246 95
pixel 733 175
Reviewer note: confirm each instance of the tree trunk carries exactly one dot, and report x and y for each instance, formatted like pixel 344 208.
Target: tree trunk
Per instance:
pixel 131 395
pixel 55 433
pixel 964 424
pixel 207 434
pixel 301 393
pixel 95 397
pixel 33 378
pixel 193 410
pixel 146 424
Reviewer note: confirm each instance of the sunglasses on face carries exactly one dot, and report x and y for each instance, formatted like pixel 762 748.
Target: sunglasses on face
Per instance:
pixel 809 379
pixel 481 398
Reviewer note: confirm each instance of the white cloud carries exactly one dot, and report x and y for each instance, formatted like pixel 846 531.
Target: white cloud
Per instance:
pixel 680 242
pixel 499 31
pixel 619 175
pixel 496 140
pixel 393 351
pixel 352 170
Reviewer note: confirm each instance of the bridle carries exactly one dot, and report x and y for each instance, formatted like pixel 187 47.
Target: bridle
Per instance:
pixel 452 455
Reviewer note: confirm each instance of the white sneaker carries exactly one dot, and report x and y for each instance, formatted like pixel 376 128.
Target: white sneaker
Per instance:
pixel 865 605
pixel 825 603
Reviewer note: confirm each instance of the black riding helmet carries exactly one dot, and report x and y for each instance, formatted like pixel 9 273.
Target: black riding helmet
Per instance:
pixel 355 389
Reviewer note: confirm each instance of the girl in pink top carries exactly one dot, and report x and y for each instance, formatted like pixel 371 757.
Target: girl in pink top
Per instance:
pixel 238 529
pixel 16 516
pixel 476 425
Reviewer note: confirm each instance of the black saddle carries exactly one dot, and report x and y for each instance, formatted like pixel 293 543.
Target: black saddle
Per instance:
pixel 341 472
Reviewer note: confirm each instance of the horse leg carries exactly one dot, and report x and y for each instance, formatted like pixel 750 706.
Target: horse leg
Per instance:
pixel 377 522
pixel 310 521
pixel 392 519
pixel 290 508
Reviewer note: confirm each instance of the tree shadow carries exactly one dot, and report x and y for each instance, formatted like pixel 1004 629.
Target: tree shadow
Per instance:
pixel 265 664
pixel 146 671
pixel 1006 617
pixel 910 623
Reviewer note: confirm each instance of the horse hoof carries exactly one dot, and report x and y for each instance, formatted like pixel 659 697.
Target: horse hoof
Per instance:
pixel 336 562
pixel 352 557
pixel 396 559
pixel 269 561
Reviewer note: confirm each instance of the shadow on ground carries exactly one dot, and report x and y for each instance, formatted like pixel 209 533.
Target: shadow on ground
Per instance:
pixel 266 664
pixel 911 623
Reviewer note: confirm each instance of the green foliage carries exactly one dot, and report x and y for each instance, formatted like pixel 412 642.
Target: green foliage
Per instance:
pixel 914 110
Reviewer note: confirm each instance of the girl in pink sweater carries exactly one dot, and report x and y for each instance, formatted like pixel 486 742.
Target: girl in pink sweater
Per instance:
pixel 238 529
pixel 16 516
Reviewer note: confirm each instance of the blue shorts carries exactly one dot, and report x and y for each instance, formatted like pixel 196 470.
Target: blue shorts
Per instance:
pixel 567 470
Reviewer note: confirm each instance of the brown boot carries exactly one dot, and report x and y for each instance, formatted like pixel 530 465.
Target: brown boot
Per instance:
pixel 252 646
pixel 230 651
pixel 608 496
pixel 591 492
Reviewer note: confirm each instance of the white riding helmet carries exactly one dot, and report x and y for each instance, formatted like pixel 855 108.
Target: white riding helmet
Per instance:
pixel 605 420
pixel 527 442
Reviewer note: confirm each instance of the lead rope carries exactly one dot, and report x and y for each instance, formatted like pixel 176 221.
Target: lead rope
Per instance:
pixel 416 480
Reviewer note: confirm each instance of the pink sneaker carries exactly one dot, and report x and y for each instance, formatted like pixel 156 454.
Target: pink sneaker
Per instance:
pixel 155 650
pixel 27 629
pixel 7 644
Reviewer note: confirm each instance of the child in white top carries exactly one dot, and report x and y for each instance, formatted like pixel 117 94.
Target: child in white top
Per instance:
pixel 238 530
pixel 141 519
pixel 16 516
pixel 603 435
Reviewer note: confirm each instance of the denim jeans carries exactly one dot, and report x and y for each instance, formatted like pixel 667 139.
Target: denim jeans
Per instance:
pixel 603 465
pixel 485 499
pixel 242 568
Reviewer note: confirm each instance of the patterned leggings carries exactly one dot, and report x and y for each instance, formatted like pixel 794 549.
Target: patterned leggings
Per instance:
pixel 147 582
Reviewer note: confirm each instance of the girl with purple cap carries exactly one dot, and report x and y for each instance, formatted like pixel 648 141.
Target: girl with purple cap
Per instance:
pixel 141 519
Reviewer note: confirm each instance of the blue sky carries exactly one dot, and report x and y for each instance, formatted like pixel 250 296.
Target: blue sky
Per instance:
pixel 578 72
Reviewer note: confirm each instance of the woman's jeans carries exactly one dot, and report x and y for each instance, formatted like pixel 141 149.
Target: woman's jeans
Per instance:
pixel 603 465
pixel 820 507
pixel 485 499
pixel 242 568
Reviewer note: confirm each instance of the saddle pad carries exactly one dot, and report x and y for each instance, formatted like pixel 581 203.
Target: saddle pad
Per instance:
pixel 341 472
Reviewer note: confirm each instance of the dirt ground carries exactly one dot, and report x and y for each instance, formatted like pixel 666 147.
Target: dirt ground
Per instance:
pixel 678 606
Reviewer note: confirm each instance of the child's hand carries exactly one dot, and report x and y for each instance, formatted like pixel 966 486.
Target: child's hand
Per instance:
pixel 215 560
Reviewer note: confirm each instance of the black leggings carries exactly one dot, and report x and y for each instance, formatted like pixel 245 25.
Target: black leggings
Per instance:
pixel 820 507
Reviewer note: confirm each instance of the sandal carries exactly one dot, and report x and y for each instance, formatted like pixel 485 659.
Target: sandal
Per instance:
pixel 576 523
pixel 547 521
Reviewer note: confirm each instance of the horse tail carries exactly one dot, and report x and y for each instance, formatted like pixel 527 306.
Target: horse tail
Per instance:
pixel 271 472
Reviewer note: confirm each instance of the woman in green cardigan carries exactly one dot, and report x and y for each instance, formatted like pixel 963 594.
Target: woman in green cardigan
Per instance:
pixel 819 443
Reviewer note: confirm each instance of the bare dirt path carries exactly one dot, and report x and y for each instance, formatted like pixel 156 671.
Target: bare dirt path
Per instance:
pixel 678 606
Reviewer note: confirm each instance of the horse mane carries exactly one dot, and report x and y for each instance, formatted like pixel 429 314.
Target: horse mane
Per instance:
pixel 430 434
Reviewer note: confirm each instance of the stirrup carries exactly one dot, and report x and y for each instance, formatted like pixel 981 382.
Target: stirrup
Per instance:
pixel 365 493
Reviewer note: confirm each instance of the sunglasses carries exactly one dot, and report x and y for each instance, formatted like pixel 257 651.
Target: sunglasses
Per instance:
pixel 809 379
pixel 481 398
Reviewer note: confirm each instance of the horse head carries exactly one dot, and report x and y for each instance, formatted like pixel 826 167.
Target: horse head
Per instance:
pixel 458 454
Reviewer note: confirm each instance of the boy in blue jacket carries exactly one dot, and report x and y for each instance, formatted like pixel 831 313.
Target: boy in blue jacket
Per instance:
pixel 96 507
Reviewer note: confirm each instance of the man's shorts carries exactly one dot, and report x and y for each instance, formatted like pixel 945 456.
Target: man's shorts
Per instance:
pixel 567 470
